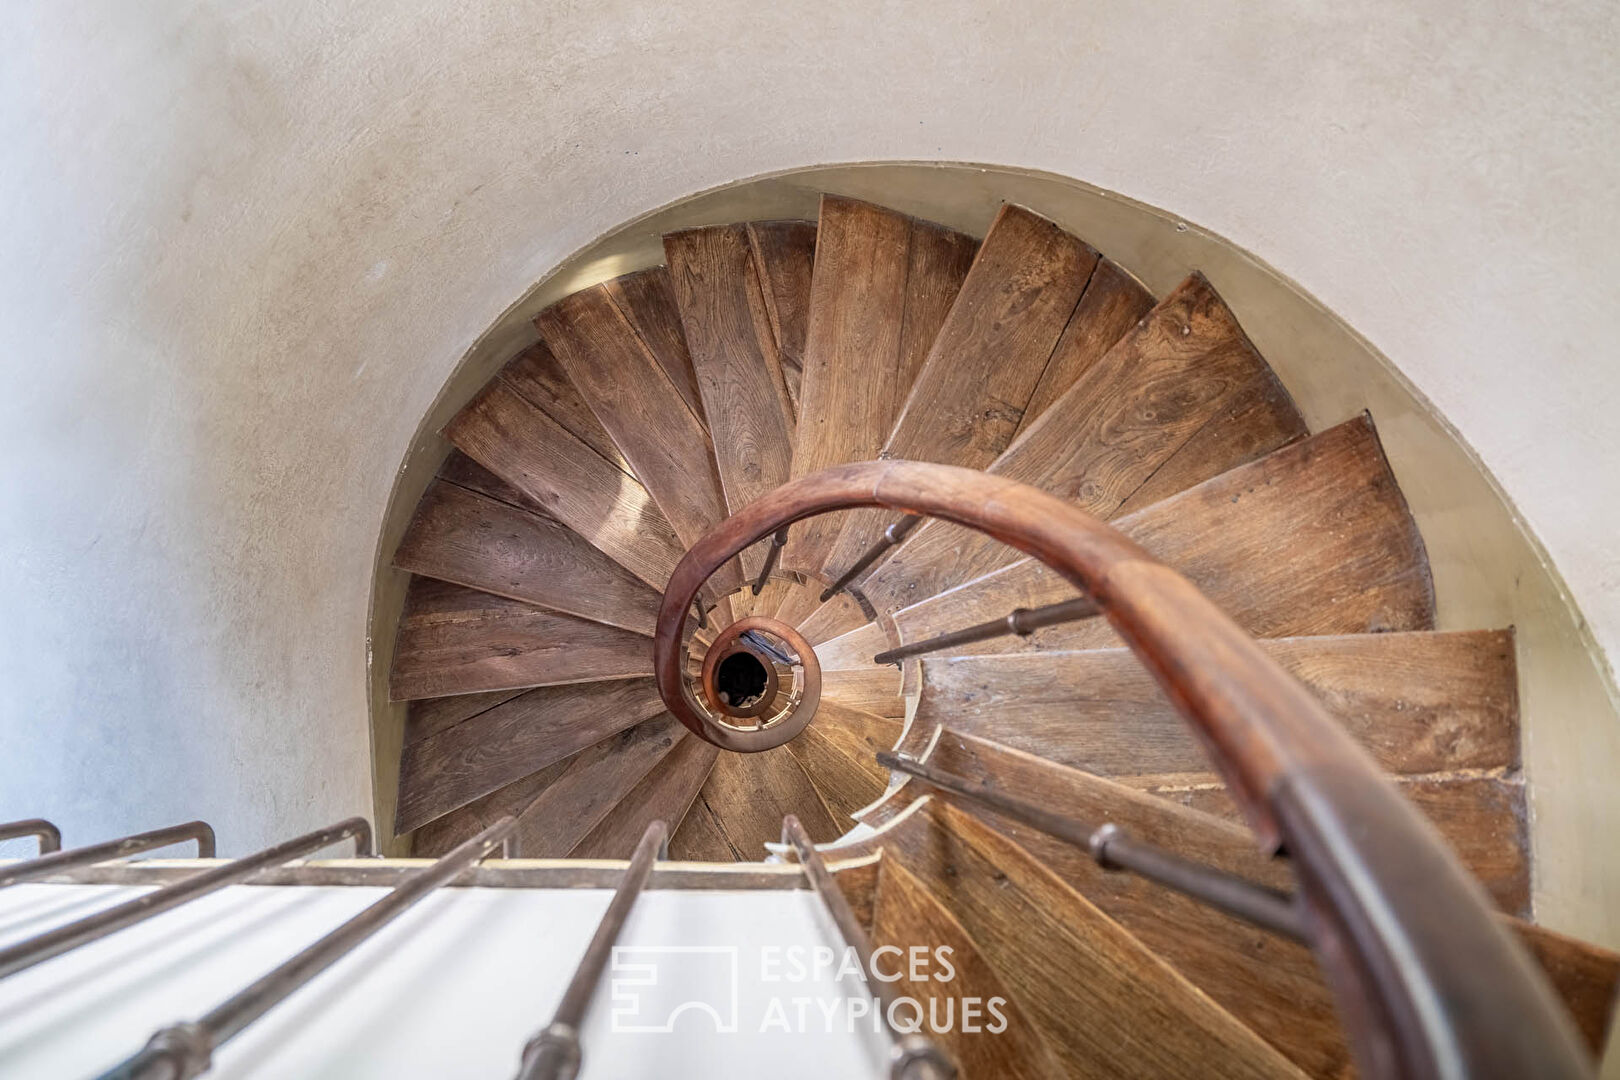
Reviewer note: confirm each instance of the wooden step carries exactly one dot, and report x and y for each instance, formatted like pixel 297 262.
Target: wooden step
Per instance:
pixel 983 365
pixel 647 299
pixel 852 649
pixel 846 784
pixel 985 1040
pixel 1100 998
pixel 455 640
pixel 487 751
pixel 784 258
pixel 1312 539
pixel 836 617
pixel 700 838
pixel 627 387
pixel 1420 702
pixel 470 539
pixel 540 380
pixel 665 794
pixel 748 795
pixel 859 735
pixel 1483 816
pixel 522 445
pixel 862 334
pixel 1271 985
pixel 1108 434
pixel 427 716
pixel 870 689
pixel 739 370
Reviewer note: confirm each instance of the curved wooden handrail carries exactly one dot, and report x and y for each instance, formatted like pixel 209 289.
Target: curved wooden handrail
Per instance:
pixel 1427 983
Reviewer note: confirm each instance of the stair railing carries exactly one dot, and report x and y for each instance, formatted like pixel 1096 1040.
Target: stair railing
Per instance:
pixel 121 848
pixel 554 1053
pixel 50 837
pixel 912 1056
pixel 1426 981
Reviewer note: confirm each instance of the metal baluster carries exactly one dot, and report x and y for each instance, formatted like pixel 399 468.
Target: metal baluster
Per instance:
pixel 185 1050
pixel 554 1053
pixel 124 846
pixel 912 1056
pixel 772 553
pixel 50 837
pixel 26 954
pixel 1114 850
pixel 891 536
pixel 1020 621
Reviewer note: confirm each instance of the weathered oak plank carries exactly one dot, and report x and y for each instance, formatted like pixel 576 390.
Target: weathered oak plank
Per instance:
pixel 749 795
pixel 664 794
pixel 647 300
pixel 537 376
pixel 454 640
pixel 784 258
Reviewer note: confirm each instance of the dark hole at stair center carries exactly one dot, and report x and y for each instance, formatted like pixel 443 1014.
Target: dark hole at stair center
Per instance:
pixel 740 679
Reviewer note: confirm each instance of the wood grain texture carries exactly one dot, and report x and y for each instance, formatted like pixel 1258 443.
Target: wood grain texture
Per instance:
pixel 1420 702
pixel 647 299
pixel 846 785
pixel 1103 1001
pixel 443 833
pixel 537 376
pixel 969 394
pixel 852 649
pixel 871 689
pixel 1107 434
pixel 454 640
pixel 487 751
pixel 464 537
pixel 851 353
pixel 568 480
pixel 426 716
pixel 699 838
pixel 857 734
pixel 906 915
pixel 627 388
pixel 593 783
pixel 784 258
pixel 748 795
pixel 664 794
pixel 836 617
pixel 1312 539
pixel 738 369
pixel 1482 817
pixel 1271 985
pixel 1112 303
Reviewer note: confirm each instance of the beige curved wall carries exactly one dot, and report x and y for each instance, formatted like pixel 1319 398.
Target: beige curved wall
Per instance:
pixel 246 246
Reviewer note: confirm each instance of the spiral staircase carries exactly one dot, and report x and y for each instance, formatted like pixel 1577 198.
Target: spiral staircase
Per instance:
pixel 656 406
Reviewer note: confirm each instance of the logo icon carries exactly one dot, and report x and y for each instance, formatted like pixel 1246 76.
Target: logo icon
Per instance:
pixel 652 985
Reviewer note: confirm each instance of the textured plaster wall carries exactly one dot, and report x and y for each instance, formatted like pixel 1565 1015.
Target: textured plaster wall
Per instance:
pixel 245 244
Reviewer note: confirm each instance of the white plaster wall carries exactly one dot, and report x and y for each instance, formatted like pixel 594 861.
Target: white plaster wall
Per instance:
pixel 244 245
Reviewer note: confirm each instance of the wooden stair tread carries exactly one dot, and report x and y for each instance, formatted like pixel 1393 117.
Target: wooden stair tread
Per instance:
pixel 871 689
pixel 1270 984
pixel 858 734
pixel 906 915
pixel 784 258
pixel 853 364
pixel 836 617
pixel 647 299
pixel 700 838
pixel 748 795
pixel 455 640
pixel 846 785
pixel 1106 435
pixel 739 371
pixel 1312 539
pixel 537 376
pixel 425 716
pixel 1482 817
pixel 664 794
pixel 1421 702
pixel 853 648
pixel 629 390
pixel 1101 999
pixel 522 445
pixel 487 751
pixel 470 539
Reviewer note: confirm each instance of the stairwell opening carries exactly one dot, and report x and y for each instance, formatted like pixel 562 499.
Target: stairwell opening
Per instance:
pixel 740 679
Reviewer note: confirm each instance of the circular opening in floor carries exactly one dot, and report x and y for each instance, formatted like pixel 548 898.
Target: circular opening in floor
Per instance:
pixel 740 679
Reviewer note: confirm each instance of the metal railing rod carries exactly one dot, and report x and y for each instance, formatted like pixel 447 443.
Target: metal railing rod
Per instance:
pixel 772 553
pixel 913 1056
pixel 1019 621
pixel 50 837
pixel 186 1049
pixel 891 536
pixel 124 846
pixel 554 1053
pixel 1113 849
pixel 35 950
